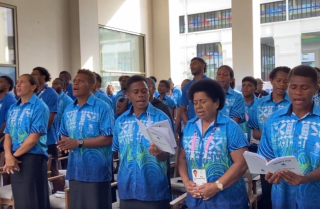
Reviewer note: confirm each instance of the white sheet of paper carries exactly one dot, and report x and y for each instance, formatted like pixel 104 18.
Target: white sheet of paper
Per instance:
pixel 143 129
pixel 157 136
pixel 166 124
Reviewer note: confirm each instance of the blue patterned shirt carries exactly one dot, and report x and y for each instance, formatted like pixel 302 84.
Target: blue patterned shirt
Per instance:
pixel 227 137
pixel 64 101
pixel 5 104
pixel 168 101
pixel 23 120
pixel 234 106
pixel 186 102
pixel 263 108
pixel 245 127
pixel 176 95
pixel 141 176
pixel 69 91
pixel 284 134
pixel 104 98
pixel 50 97
pixel 91 120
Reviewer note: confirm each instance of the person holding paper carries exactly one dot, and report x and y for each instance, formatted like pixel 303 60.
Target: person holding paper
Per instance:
pixel 294 131
pixel 142 179
pixel 212 146
pixel 265 107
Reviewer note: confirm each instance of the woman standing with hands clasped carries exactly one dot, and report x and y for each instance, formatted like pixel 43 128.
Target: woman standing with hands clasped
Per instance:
pixel 25 147
pixel 213 146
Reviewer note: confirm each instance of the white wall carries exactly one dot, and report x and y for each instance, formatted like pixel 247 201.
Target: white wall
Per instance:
pixel 43 35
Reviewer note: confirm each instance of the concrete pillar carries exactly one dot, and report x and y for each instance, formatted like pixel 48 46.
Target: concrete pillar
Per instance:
pixel 84 35
pixel 246 39
pixel 161 39
pixel 287 50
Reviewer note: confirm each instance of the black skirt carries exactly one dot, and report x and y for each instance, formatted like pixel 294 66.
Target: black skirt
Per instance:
pixel 30 184
pixel 93 195
pixel 137 204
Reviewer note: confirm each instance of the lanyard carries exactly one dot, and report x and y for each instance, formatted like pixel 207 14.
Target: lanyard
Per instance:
pixel 206 148
pixel 42 91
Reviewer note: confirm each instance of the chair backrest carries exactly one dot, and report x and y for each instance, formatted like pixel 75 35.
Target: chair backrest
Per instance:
pixel 49 163
pixel 2 159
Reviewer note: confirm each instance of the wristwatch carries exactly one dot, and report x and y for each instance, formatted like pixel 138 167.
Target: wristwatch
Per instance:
pixel 80 143
pixel 219 185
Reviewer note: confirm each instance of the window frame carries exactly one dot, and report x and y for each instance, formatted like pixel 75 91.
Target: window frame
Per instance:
pixel 16 48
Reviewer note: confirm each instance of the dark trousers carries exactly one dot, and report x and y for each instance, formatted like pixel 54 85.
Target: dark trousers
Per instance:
pixel 266 194
pixel 137 204
pixel 30 184
pixel 90 195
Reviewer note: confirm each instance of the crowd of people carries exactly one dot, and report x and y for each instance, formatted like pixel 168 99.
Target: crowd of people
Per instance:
pixel 213 124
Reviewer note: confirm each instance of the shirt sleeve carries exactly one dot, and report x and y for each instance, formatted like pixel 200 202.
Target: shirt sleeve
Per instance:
pixel 115 139
pixel 184 97
pixel 106 121
pixel 183 142
pixel 236 138
pixel 63 129
pixel 53 103
pixel 253 118
pixel 40 118
pixel 265 147
pixel 238 109
pixel 7 128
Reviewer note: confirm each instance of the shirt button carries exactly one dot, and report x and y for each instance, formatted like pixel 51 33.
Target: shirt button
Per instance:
pixel 134 145
pixel 295 151
pixel 134 170
pixel 134 182
pixel 296 135
pixel 298 121
pixel 134 158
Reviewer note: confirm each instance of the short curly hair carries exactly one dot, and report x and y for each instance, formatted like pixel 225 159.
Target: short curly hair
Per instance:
pixel 212 88
pixel 274 72
pixel 44 72
pixel 90 74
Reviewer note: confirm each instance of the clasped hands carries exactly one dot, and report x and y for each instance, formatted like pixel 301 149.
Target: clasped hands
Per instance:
pixel 67 144
pixel 288 176
pixel 11 164
pixel 205 191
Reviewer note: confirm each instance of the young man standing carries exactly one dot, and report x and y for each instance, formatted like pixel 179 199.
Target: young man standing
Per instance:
pixel 66 76
pixel 98 93
pixel 260 92
pixel 249 86
pixel 49 96
pixel 142 179
pixel 163 89
pixel 6 100
pixel 86 132
pixel 198 69
pixel 294 131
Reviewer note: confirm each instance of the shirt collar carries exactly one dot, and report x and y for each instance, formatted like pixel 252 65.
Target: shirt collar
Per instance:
pixel 32 100
pixel 61 95
pixel 288 110
pixel 150 110
pixel 219 120
pixel 204 76
pixel 90 100
pixel 286 97
pixel 164 98
pixel 230 90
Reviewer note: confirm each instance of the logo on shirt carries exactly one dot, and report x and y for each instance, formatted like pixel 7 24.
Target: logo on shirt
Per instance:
pixel 316 149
